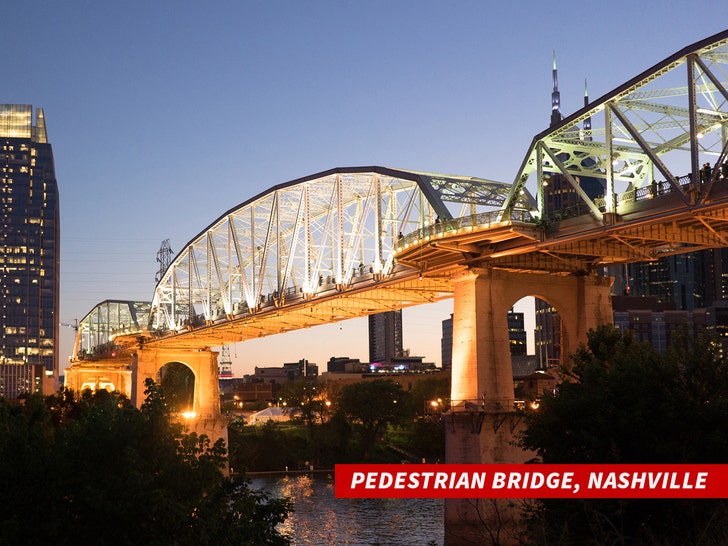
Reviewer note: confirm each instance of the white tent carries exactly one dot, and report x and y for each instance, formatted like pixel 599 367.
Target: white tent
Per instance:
pixel 271 413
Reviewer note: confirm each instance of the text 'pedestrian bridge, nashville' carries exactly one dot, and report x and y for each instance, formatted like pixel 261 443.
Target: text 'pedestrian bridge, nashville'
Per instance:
pixel 622 180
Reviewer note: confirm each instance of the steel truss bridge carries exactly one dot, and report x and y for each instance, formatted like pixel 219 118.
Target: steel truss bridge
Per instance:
pixel 350 242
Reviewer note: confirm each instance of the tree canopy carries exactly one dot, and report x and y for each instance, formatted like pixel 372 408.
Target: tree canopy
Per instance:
pixel 93 468
pixel 624 402
pixel 373 405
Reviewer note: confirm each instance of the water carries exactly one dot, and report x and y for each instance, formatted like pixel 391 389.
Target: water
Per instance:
pixel 321 519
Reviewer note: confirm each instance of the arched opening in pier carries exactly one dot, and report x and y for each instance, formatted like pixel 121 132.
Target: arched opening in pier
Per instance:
pixel 178 383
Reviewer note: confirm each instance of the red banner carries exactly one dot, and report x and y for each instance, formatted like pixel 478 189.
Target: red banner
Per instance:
pixel 530 481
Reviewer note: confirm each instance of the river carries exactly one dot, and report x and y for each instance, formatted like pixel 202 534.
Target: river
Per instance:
pixel 321 519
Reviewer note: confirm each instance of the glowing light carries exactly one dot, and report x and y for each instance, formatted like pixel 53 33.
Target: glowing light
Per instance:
pixel 189 414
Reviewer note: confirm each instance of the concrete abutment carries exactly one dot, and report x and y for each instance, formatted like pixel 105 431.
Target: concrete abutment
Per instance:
pixel 207 416
pixel 482 423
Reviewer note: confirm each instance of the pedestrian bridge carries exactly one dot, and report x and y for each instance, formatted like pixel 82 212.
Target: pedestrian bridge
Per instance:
pixel 622 180
pixel 638 174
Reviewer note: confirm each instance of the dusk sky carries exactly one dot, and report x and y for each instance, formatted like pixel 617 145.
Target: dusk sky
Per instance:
pixel 163 115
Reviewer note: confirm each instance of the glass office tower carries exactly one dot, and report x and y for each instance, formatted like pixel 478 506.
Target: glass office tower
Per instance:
pixel 29 252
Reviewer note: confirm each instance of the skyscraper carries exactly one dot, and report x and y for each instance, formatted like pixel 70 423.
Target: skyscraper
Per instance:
pixel 385 336
pixel 516 337
pixel 29 252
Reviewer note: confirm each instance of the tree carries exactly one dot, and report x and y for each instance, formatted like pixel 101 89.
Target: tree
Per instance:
pixel 93 466
pixel 373 405
pixel 623 402
pixel 306 401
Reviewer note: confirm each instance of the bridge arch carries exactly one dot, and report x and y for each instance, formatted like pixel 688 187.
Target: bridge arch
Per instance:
pixel 179 381
pixel 309 236
pixel 481 368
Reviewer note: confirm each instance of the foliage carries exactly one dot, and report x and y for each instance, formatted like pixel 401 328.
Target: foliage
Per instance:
pixel 268 447
pixel 373 405
pixel 426 390
pixel 91 467
pixel 308 400
pixel 627 403
pixel 427 438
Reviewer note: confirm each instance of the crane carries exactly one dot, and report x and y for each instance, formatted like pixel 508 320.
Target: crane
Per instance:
pixel 74 325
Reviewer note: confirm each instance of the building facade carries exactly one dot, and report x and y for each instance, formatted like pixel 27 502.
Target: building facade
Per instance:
pixel 516 337
pixel 385 336
pixel 29 252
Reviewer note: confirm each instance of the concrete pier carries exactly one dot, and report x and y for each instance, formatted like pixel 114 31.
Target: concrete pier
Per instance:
pixel 482 422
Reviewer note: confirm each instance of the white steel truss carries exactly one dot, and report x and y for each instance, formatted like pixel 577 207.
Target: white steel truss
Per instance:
pixel 657 130
pixel 307 236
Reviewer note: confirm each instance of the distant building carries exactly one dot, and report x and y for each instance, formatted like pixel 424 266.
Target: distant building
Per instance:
pixel 385 336
pixel 244 390
pixel 283 374
pixel 660 324
pixel 446 343
pixel 302 368
pixel 29 252
pixel 516 337
pixel 344 364
pixel 517 333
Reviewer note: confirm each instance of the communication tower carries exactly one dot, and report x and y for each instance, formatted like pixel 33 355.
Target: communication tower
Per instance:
pixel 225 364
pixel 164 258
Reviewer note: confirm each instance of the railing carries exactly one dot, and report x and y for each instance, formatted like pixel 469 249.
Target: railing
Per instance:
pixel 488 404
pixel 481 220
pixel 655 189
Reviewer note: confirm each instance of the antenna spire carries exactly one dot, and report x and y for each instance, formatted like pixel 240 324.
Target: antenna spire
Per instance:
pixel 555 97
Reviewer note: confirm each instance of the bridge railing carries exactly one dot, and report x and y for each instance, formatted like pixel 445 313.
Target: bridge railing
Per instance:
pixel 644 193
pixel 490 404
pixel 483 219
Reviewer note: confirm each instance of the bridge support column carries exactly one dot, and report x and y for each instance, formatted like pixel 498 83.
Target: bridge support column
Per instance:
pixel 481 423
pixel 203 363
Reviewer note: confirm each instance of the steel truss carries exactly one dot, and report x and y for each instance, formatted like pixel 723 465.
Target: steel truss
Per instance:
pixel 656 128
pixel 310 236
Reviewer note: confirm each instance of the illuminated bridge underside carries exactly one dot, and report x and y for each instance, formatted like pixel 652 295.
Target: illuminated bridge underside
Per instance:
pixel 355 241
pixel 328 308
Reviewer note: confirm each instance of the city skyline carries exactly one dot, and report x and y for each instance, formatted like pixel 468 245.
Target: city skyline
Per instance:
pixel 163 116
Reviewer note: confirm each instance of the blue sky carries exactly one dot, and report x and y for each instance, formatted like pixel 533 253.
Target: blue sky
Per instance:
pixel 164 114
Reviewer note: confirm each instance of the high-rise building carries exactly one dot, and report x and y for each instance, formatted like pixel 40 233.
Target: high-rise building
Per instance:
pixel 561 200
pixel 446 343
pixel 516 337
pixel 29 252
pixel 385 336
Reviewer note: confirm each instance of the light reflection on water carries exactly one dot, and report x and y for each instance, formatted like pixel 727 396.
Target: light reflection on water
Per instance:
pixel 321 519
